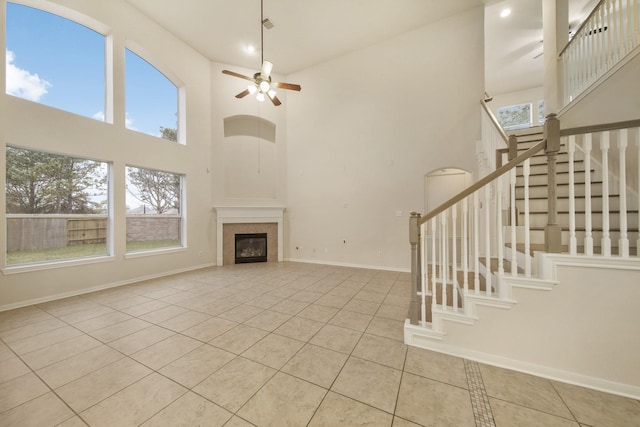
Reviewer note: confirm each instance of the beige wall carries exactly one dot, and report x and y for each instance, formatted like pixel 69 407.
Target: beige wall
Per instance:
pixel 366 128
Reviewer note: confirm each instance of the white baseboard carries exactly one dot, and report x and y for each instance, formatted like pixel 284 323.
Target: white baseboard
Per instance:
pixel 344 264
pixel 416 338
pixel 100 287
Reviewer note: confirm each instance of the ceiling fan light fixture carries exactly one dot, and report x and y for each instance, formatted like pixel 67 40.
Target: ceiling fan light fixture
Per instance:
pixel 260 97
pixel 252 89
pixel 264 86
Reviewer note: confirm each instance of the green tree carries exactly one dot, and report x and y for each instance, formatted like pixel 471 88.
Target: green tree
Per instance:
pixel 160 190
pixel 43 183
pixel 169 133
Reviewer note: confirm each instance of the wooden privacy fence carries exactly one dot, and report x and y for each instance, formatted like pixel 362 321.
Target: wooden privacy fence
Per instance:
pixel 40 232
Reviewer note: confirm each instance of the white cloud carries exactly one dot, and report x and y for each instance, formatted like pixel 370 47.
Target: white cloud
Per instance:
pixel 98 116
pixel 128 122
pixel 22 83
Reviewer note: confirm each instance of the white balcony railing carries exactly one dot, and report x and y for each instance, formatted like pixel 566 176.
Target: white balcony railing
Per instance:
pixel 608 35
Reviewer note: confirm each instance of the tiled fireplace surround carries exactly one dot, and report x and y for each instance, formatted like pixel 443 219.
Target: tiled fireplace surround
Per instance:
pixel 232 220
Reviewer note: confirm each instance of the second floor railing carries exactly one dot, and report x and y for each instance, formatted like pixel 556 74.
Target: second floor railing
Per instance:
pixel 609 34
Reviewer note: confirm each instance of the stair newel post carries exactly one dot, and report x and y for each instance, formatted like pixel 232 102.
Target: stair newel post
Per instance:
pixel 605 242
pixel 623 243
pixel 414 240
pixel 573 243
pixel 553 231
pixel 513 147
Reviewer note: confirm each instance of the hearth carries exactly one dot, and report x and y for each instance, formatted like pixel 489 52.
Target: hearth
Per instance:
pixel 251 247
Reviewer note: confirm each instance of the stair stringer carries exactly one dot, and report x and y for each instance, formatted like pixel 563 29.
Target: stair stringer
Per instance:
pixel 470 303
pixel 468 338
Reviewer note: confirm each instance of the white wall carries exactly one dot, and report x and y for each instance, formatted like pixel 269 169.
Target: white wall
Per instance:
pixel 364 131
pixel 32 125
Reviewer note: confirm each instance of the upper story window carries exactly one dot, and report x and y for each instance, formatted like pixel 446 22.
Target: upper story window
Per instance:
pixel 54 61
pixel 515 116
pixel 56 207
pixel 151 99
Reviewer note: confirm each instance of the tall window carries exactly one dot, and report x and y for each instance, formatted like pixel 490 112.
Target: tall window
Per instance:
pixel 56 207
pixel 151 99
pixel 515 116
pixel 154 209
pixel 54 61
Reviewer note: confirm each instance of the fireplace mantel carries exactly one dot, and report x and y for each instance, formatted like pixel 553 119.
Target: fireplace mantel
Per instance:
pixel 248 215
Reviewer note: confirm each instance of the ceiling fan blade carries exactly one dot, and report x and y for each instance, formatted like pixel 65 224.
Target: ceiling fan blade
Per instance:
pixel 288 86
pixel 243 93
pixel 234 74
pixel 274 99
pixel 266 70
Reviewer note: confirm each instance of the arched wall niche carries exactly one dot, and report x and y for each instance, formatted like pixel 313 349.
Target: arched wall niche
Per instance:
pixel 250 126
pixel 251 160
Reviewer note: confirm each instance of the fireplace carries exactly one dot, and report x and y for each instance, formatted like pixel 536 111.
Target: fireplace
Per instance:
pixel 250 247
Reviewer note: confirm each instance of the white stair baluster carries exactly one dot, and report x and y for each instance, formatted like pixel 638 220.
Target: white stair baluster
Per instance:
pixel 573 243
pixel 499 226
pixel 487 237
pixel 623 243
pixel 514 248
pixel 465 244
pixel 605 242
pixel 434 265
pixel 476 236
pixel 588 232
pixel 637 138
pixel 444 262
pixel 424 278
pixel 526 168
pixel 454 256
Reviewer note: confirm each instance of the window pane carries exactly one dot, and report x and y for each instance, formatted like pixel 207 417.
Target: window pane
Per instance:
pixel 55 61
pixel 153 209
pixel 515 116
pixel 151 99
pixel 56 206
pixel 541 116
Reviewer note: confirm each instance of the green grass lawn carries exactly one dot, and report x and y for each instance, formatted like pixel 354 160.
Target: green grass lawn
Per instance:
pixel 82 251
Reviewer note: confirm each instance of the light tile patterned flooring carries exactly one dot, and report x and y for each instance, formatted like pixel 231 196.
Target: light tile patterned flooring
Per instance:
pixel 262 344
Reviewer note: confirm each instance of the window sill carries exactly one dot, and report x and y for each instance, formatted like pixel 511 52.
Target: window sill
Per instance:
pixel 27 268
pixel 130 255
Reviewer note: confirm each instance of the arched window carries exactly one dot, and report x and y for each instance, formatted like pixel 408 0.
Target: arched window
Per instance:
pixel 151 99
pixel 55 61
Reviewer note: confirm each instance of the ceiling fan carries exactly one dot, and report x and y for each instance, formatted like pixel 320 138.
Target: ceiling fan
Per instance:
pixel 261 83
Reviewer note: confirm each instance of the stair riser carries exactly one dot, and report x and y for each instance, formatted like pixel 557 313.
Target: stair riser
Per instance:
pixel 538 205
pixel 535 192
pixel 540 220
pixel 561 178
pixel 537 236
pixel 542 168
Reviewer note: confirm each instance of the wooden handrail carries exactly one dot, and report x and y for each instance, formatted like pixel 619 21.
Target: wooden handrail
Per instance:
pixel 484 181
pixel 581 26
pixel 495 122
pixel 600 128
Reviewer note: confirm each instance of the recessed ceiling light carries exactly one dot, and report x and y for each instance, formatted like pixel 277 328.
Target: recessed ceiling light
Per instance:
pixel 505 13
pixel 251 48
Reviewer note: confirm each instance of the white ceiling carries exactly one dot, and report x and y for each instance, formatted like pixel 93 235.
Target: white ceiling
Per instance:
pixel 308 32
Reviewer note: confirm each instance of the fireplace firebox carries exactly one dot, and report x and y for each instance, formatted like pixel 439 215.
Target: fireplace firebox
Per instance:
pixel 251 247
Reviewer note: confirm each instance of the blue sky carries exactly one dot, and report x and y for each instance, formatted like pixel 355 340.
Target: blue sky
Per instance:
pixel 59 63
